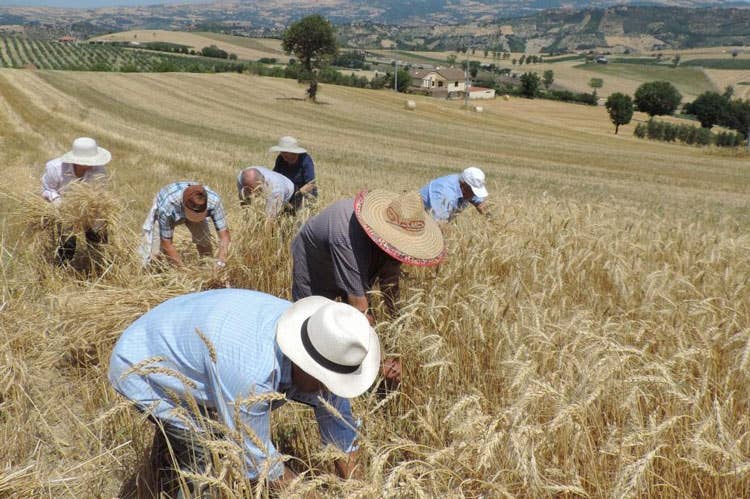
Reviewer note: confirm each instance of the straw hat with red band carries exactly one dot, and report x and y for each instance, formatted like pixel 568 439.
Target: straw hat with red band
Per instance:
pixel 195 203
pixel 398 224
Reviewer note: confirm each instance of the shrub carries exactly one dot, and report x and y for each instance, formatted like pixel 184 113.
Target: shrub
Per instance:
pixel 655 130
pixel 214 51
pixel 640 131
pixel 703 136
pixel 670 132
pixel 568 96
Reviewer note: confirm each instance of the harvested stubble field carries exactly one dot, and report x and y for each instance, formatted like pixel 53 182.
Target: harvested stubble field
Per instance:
pixel 592 339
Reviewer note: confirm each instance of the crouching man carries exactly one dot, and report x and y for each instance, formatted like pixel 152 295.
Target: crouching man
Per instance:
pixel 273 187
pixel 186 203
pixel 224 347
pixel 83 163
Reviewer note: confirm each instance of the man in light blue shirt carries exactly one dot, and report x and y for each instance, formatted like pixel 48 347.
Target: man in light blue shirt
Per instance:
pixel 231 352
pixel 446 196
pixel 274 187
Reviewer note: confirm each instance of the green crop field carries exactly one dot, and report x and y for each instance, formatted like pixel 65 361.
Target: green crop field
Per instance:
pixel 719 63
pixel 688 80
pixel 19 52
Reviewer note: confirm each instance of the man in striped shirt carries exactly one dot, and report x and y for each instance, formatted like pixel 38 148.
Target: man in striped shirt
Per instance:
pixel 186 203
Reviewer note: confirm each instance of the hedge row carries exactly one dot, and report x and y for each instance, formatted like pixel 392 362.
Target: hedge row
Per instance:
pixel 687 134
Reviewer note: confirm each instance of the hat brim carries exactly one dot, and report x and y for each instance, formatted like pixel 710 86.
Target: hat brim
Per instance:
pixel 289 339
pixel 295 150
pixel 423 250
pixel 480 192
pixel 102 157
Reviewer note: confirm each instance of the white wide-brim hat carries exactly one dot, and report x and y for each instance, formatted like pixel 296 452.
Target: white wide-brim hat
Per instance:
pixel 288 144
pixel 332 342
pixel 85 152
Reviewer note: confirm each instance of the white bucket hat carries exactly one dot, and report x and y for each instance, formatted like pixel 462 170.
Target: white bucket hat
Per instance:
pixel 474 177
pixel 288 144
pixel 332 342
pixel 85 152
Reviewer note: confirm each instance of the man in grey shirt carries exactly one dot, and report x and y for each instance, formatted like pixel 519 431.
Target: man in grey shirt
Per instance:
pixel 344 250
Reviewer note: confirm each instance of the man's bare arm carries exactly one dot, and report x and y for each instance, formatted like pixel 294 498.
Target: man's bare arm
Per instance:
pixel 224 240
pixel 168 248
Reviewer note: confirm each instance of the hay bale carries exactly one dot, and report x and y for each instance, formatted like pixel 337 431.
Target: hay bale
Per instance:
pixel 410 105
pixel 477 109
pixel 506 97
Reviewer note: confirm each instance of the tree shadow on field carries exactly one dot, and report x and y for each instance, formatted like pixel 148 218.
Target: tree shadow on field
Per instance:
pixel 303 99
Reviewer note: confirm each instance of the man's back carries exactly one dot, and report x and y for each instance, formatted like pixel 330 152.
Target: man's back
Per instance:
pixel 222 341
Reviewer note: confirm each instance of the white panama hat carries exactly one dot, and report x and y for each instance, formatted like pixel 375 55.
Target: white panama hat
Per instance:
pixel 85 152
pixel 474 177
pixel 332 342
pixel 288 144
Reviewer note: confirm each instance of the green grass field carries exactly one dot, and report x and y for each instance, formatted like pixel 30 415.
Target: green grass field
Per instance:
pixel 719 63
pixel 687 80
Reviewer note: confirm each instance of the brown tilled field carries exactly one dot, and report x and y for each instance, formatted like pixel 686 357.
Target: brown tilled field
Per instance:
pixel 591 339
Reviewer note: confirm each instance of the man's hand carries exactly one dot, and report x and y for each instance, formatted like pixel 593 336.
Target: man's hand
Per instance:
pixel 307 188
pixel 349 467
pixel 391 371
pixel 361 304
pixel 168 248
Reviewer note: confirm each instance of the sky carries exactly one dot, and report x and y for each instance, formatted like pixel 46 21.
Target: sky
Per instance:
pixel 86 4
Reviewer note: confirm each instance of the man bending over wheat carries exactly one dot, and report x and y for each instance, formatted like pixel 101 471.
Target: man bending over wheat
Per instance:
pixel 83 163
pixel 210 367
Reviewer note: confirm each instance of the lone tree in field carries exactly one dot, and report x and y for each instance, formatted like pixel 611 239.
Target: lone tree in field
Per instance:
pixel 547 78
pixel 620 109
pixel 657 98
pixel 595 83
pixel 313 42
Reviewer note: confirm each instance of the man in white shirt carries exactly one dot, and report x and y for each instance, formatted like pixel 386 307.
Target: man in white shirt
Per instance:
pixel 274 187
pixel 83 163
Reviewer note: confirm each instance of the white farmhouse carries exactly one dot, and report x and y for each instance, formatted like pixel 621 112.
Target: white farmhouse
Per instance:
pixel 439 82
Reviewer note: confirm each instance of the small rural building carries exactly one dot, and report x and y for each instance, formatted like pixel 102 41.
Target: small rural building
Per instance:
pixel 481 93
pixel 67 39
pixel 439 82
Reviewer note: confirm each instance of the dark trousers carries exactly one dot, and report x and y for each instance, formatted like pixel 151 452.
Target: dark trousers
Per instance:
pixel 176 449
pixel 66 245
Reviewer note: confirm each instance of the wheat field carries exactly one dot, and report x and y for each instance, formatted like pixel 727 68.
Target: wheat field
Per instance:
pixel 592 339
